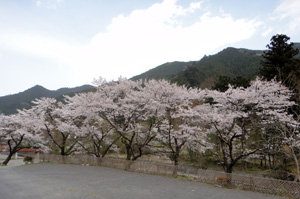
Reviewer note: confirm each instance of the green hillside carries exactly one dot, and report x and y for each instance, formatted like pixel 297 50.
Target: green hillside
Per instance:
pixel 10 103
pixel 231 62
pixel 297 45
pixel 164 71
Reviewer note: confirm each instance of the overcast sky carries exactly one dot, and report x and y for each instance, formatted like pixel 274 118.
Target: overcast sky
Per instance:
pixel 68 43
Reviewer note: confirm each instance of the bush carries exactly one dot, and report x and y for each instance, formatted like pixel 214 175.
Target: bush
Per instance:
pixel 223 181
pixel 28 159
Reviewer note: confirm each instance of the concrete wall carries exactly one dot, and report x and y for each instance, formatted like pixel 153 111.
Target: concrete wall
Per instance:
pixel 134 166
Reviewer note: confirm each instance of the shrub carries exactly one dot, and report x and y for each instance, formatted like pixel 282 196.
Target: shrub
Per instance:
pixel 28 159
pixel 224 181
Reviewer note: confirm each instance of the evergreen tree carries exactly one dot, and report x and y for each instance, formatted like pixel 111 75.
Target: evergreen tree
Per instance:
pixel 222 84
pixel 279 62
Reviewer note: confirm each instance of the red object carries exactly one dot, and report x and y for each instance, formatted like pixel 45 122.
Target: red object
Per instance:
pixel 29 150
pixel 25 150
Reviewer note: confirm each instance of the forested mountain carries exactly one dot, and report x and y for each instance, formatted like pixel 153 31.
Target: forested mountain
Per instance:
pixel 10 103
pixel 164 71
pixel 230 62
pixel 297 45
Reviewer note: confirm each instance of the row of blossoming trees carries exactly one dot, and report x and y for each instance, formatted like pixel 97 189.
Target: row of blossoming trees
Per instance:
pixel 140 118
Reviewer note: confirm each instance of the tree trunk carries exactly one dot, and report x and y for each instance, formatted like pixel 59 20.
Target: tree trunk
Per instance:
pixel 273 161
pixel 97 155
pixel 8 157
pixel 13 150
pixel 175 171
pixel 229 168
pixel 135 157
pixel 128 152
pixel 176 157
pixel 265 162
pixel 176 161
pixel 107 148
pixel 270 161
pixel 62 151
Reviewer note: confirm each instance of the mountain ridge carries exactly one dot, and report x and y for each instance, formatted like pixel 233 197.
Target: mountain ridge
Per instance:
pixel 166 70
pixel 178 67
pixel 10 103
pixel 230 61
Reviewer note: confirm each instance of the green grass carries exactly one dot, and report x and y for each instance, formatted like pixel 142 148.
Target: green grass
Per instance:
pixel 184 177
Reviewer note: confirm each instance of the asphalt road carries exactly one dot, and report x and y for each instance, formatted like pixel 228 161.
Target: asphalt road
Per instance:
pixel 54 181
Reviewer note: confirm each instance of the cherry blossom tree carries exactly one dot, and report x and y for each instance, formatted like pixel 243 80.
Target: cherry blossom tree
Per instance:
pixel 19 132
pixel 235 114
pixel 270 97
pixel 291 139
pixel 97 137
pixel 178 125
pixel 125 107
pixel 3 133
pixel 288 125
pixel 229 126
pixel 59 123
pixel 13 135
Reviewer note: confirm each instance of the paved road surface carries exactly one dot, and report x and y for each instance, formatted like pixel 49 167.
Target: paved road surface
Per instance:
pixel 54 181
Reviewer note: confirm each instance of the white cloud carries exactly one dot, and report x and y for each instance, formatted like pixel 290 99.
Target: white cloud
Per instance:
pixel 146 38
pixel 50 4
pixel 133 44
pixel 38 3
pixel 289 9
pixel 36 45
pixel 267 32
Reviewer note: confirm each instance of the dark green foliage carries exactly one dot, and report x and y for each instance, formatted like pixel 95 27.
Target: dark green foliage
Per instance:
pixel 28 159
pixel 279 60
pixel 222 84
pixel 191 77
pixel 230 62
pixel 240 81
pixel 282 62
pixel 297 46
pixel 10 103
